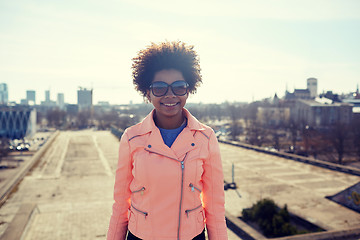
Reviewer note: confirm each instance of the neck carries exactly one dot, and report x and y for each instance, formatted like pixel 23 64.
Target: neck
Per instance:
pixel 169 122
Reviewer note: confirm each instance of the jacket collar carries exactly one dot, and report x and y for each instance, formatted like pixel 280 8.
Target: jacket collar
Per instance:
pixel 148 124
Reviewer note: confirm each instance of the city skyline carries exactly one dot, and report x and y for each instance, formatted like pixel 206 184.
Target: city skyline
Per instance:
pixel 248 51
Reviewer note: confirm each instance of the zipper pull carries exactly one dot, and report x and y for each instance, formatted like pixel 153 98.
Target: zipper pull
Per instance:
pixel 192 188
pixel 142 191
pixel 182 164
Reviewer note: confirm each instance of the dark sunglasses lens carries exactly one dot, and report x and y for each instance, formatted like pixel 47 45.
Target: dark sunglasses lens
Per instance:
pixel 159 88
pixel 179 88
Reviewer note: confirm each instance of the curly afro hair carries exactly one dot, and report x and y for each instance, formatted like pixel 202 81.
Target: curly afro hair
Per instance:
pixel 164 56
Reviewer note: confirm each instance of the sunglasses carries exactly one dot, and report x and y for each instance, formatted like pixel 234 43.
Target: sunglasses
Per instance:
pixel 159 89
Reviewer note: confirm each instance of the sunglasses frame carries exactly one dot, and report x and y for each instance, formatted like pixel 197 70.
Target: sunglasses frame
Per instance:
pixel 167 89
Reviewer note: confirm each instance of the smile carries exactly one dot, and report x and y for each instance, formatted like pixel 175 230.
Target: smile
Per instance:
pixel 169 104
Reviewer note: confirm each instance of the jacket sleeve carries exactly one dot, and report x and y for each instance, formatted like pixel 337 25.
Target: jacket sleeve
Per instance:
pixel 213 195
pixel 119 218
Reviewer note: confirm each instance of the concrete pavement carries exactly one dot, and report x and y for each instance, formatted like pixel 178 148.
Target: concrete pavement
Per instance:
pixel 302 187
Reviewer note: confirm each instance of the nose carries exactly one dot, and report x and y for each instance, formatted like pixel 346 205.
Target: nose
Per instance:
pixel 170 92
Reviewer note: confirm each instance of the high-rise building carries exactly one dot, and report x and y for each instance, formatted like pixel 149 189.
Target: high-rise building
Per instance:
pixel 4 95
pixel 48 102
pixel 47 96
pixel 312 87
pixel 31 97
pixel 84 98
pixel 60 101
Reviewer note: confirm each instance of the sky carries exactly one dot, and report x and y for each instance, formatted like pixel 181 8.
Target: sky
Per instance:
pixel 248 50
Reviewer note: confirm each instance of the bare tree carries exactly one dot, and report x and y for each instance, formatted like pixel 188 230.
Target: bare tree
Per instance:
pixel 106 119
pixel 256 134
pixel 56 118
pixel 292 128
pixel 4 147
pixel 337 135
pixel 83 119
pixel 355 136
pixel 235 113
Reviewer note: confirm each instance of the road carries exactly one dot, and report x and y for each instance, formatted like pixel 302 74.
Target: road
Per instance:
pixel 71 186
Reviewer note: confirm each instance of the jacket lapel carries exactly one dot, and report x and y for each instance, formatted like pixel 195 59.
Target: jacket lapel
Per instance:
pixel 184 143
pixel 156 144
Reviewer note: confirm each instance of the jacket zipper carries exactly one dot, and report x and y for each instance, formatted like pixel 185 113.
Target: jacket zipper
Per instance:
pixel 182 184
pixel 193 187
pixel 144 213
pixel 140 190
pixel 163 155
pixel 181 194
pixel 190 210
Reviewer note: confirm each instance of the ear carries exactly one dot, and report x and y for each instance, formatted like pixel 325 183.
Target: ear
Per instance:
pixel 148 95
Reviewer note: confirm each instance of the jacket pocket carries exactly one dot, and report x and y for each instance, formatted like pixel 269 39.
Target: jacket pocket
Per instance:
pixel 141 191
pixel 193 188
pixel 188 211
pixel 145 214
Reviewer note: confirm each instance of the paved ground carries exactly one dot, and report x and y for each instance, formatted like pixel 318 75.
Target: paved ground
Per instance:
pixel 72 188
pixel 10 165
pixel 301 186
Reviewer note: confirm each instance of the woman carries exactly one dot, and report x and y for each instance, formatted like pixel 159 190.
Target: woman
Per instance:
pixel 169 180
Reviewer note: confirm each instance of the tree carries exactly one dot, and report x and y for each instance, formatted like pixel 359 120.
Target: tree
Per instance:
pixel 56 118
pixel 83 119
pixel 292 127
pixel 338 135
pixel 355 136
pixel 272 222
pixel 256 134
pixel 235 113
pixel 106 119
pixel 4 147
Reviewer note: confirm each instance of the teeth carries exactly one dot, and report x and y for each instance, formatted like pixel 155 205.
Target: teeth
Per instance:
pixel 169 104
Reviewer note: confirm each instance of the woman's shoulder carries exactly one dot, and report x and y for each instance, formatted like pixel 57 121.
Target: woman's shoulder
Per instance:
pixel 140 129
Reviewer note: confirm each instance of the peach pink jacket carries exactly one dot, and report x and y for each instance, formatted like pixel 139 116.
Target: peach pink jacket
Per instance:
pixel 166 193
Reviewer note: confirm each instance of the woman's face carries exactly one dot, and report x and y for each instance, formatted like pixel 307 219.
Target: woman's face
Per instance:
pixel 169 106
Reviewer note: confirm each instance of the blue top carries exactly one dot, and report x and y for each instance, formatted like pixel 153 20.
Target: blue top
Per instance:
pixel 169 135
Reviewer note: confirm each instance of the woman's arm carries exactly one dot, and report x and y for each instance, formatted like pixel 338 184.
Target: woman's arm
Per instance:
pixel 119 219
pixel 213 195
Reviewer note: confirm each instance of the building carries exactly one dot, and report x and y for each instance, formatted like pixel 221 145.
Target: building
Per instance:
pixel 4 94
pixel 17 122
pixel 48 102
pixel 298 94
pixel 321 114
pixel 312 87
pixel 84 98
pixel 309 93
pixel 60 101
pixel 354 99
pixel 47 96
pixel 31 97
pixel 24 102
pixel 273 116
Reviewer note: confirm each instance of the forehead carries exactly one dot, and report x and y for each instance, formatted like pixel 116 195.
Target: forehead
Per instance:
pixel 169 76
